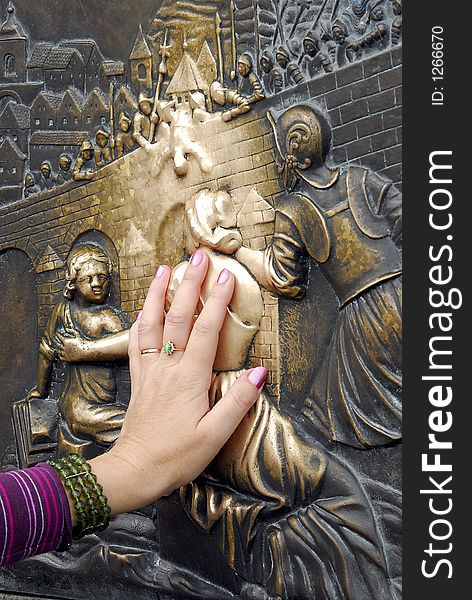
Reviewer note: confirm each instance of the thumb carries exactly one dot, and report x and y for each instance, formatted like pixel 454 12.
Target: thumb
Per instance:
pixel 220 423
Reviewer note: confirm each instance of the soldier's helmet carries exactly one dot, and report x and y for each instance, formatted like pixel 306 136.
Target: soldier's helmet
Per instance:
pixel 304 137
pixel 144 99
pixel 266 62
pixel 245 64
pixel 102 133
pixel 375 8
pixel 310 43
pixel 124 118
pixel 86 150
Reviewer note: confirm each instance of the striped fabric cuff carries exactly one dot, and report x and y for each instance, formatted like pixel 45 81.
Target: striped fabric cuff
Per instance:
pixel 34 514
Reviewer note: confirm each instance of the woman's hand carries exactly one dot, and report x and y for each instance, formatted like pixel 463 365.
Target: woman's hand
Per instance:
pixel 170 434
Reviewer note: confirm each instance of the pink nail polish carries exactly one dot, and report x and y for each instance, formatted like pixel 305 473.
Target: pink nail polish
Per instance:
pixel 197 258
pixel 223 276
pixel 160 272
pixel 258 376
pixel 140 313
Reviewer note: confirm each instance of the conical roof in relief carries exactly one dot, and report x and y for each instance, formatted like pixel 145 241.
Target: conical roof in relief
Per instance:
pixel 12 28
pixel 206 64
pixel 187 77
pixel 141 47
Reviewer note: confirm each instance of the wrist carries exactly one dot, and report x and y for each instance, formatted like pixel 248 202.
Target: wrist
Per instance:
pixel 126 485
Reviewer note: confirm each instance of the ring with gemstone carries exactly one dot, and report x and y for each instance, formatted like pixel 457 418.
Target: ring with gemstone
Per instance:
pixel 169 348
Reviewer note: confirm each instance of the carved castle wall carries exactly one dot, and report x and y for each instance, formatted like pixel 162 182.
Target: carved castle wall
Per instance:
pixel 135 211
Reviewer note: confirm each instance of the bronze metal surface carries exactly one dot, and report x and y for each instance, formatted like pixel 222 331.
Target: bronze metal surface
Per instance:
pixel 267 133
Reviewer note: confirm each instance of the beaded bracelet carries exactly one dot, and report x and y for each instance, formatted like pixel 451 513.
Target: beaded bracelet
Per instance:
pixel 91 505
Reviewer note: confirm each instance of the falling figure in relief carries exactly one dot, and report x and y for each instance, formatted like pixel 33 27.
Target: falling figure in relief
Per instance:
pixel 175 141
pixel 90 418
pixel 297 505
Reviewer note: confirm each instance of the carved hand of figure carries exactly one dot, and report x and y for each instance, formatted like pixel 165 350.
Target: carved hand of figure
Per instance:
pixel 35 393
pixel 170 434
pixel 226 241
pixel 70 347
pixel 244 106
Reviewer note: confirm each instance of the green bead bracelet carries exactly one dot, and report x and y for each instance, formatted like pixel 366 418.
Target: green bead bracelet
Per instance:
pixel 91 505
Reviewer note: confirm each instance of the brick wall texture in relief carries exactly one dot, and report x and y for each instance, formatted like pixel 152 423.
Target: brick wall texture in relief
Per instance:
pixel 363 103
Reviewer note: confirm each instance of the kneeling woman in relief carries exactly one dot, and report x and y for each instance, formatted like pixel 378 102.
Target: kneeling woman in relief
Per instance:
pixel 90 418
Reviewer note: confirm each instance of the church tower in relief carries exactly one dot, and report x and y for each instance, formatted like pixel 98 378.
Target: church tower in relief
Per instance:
pixel 13 43
pixel 141 64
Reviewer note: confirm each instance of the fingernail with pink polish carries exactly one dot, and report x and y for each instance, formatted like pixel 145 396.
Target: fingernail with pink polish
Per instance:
pixel 160 272
pixel 258 376
pixel 223 276
pixel 197 258
pixel 140 313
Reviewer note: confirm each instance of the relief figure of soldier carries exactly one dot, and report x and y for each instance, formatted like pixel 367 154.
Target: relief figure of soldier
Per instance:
pixel 347 220
pixel 78 332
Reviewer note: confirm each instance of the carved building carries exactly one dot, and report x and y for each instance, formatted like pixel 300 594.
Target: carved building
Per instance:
pixel 125 101
pixel 15 123
pixel 69 111
pixel 64 67
pixel 55 82
pixel 43 112
pixel 13 45
pixel 12 163
pixel 141 64
pixel 96 110
pixel 14 84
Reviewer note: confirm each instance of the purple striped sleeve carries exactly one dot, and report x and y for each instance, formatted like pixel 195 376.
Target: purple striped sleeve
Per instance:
pixel 34 514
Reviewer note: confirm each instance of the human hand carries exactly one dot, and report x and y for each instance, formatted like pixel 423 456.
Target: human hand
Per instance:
pixel 244 105
pixel 170 434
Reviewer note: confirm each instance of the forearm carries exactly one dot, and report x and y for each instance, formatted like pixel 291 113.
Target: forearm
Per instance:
pixel 140 140
pixel 82 175
pixel 113 469
pixel 111 347
pixel 254 261
pixel 43 374
pixel 34 514
pixel 277 271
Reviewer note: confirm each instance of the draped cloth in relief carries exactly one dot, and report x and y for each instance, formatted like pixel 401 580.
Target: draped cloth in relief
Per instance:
pixel 353 231
pixel 88 396
pixel 295 505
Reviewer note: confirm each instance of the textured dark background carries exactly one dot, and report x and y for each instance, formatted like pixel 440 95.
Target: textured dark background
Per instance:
pixel 108 22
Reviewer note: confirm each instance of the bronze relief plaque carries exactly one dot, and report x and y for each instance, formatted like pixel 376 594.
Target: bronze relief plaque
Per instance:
pixel 267 132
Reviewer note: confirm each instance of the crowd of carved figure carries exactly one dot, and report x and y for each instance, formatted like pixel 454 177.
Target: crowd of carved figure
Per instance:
pixel 337 35
pixel 91 157
pixel 336 38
